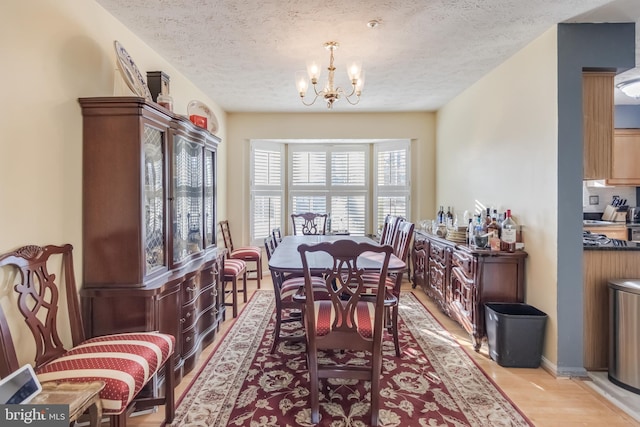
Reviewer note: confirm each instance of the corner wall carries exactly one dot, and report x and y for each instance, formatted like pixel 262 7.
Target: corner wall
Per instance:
pixel 497 147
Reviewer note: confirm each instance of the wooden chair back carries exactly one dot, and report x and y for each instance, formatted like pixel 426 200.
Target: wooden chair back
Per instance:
pixel 277 236
pixel 351 327
pixel 309 223
pixel 226 236
pixel 402 243
pixel 389 229
pixel 38 298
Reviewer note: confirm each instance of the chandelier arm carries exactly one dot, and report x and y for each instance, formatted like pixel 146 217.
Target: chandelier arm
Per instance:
pixel 310 103
pixel 349 99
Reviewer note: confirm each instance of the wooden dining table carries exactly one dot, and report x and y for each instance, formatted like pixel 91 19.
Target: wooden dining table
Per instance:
pixel 286 257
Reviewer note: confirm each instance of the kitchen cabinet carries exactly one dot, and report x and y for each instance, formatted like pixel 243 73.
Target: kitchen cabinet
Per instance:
pixel 599 267
pixel 461 279
pixel 625 167
pixel 150 259
pixel 615 231
pixel 598 123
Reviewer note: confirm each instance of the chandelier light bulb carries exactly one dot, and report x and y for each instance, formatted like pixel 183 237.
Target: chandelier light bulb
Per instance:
pixel 302 84
pixel 313 69
pixel 353 70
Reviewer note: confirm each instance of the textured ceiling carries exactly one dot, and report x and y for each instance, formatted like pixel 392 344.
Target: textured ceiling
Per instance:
pixel 244 53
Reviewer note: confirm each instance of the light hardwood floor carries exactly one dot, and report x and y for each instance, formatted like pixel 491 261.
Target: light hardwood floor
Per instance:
pixel 547 401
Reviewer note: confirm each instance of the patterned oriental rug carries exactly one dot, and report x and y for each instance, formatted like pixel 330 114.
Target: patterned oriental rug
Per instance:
pixel 434 383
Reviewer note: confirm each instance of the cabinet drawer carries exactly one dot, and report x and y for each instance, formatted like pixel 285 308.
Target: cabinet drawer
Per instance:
pixel 188 341
pixel 438 252
pixel 189 288
pixel 466 262
pixel 189 314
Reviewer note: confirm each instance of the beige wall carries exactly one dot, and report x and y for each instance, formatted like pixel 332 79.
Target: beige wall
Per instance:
pixel 53 52
pixel 242 127
pixel 505 155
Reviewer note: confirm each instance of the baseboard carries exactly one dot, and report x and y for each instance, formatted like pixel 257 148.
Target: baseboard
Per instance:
pixel 571 372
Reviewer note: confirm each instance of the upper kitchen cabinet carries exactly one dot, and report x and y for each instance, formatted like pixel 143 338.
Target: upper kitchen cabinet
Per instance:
pixel 598 115
pixel 625 168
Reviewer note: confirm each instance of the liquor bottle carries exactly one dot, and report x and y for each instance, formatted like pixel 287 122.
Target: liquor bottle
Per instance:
pixel 508 235
pixel 440 215
pixel 487 218
pixel 470 232
pixel 449 217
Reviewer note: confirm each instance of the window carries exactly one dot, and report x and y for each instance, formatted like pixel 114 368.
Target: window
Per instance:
pixel 391 181
pixel 267 193
pixel 333 178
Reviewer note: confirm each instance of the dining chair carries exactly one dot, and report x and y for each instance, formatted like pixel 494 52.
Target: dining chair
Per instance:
pixel 46 294
pixel 309 223
pixel 389 229
pixel 234 269
pixel 285 287
pixel 277 236
pixel 245 253
pixel 349 320
pixel 393 282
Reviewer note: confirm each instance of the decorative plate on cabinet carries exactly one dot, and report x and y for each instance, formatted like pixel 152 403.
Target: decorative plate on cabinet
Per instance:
pixel 197 108
pixel 130 72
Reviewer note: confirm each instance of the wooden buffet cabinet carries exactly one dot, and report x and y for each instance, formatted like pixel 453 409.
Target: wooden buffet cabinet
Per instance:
pixel 461 280
pixel 150 259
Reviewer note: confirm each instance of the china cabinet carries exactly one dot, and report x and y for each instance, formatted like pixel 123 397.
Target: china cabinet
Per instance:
pixel 461 279
pixel 150 259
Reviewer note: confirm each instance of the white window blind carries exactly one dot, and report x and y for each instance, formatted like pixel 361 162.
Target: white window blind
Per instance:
pixel 348 168
pixel 309 168
pixel 267 189
pixel 392 181
pixel 357 184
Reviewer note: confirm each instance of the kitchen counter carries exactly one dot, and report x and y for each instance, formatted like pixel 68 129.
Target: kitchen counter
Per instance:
pixel 614 245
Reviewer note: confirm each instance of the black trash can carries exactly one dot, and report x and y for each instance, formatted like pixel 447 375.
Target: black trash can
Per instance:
pixel 515 333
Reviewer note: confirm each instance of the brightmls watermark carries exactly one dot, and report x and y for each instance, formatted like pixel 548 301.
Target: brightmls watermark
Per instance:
pixel 34 415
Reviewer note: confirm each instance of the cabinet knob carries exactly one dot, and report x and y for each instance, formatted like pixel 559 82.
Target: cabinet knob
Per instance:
pixel 188 314
pixel 182 320
pixel 188 339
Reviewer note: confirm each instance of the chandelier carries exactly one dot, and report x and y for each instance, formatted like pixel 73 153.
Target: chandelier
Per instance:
pixel 330 93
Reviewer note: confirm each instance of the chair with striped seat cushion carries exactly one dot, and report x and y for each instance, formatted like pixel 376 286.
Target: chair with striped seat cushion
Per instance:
pixel 393 281
pixel 350 320
pixel 285 288
pixel 126 362
pixel 234 269
pixel 244 253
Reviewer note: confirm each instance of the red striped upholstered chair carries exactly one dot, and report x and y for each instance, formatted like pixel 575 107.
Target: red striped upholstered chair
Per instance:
pixel 285 287
pixel 245 253
pixel 350 320
pixel 125 362
pixel 233 270
pixel 393 282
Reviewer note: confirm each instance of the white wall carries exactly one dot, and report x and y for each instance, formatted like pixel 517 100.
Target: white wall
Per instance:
pixel 53 52
pixel 242 127
pixel 505 155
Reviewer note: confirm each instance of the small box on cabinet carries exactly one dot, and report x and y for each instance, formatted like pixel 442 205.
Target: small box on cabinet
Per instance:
pixel 199 121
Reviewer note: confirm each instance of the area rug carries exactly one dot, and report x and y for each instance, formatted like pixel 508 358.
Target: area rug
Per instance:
pixel 433 383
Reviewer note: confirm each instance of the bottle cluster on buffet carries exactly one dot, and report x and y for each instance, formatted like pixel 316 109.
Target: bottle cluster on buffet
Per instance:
pixel 488 229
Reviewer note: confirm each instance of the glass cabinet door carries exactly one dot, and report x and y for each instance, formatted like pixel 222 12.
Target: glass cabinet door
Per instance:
pixel 187 198
pixel 209 198
pixel 153 199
